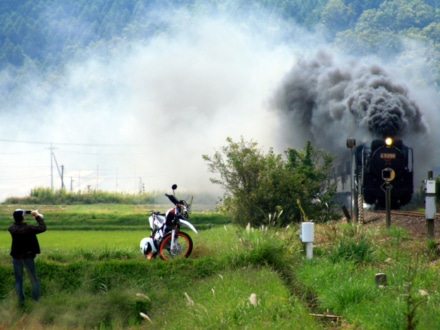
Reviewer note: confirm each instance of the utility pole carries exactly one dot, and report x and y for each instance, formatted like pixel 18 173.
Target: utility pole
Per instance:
pixel 62 177
pixel 141 186
pixel 60 171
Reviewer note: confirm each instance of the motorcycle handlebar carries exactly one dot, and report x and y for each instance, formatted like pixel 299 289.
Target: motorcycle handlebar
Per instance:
pixel 172 198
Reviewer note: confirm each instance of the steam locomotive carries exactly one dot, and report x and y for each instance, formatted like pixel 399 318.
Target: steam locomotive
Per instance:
pixel 385 164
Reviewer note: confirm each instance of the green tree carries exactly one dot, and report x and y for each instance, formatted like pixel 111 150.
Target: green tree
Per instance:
pixel 432 31
pixel 336 16
pixel 359 6
pixel 397 15
pixel 259 184
pixel 309 172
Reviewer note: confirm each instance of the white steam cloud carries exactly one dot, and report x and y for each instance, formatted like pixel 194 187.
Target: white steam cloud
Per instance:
pixel 143 113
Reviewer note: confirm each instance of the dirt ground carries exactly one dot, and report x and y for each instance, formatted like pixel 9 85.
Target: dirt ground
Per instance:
pixel 415 224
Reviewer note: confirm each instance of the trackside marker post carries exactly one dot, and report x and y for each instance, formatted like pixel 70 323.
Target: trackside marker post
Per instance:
pixel 430 208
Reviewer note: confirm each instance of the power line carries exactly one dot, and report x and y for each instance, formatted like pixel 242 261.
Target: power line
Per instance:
pixel 20 152
pixel 76 144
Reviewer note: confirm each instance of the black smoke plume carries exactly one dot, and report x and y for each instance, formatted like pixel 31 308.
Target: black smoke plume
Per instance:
pixel 327 103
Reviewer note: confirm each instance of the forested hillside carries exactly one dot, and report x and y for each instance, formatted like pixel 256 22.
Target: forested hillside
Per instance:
pixel 49 31
pixel 107 86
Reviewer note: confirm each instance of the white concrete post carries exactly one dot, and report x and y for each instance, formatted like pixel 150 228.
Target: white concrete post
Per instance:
pixel 307 235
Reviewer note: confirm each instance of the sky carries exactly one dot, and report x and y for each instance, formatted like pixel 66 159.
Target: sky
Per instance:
pixel 140 113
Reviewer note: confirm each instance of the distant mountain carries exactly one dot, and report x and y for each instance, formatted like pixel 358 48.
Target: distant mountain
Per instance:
pixel 49 31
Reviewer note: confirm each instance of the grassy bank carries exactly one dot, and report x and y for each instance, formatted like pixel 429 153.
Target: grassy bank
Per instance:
pixel 97 279
pixel 99 217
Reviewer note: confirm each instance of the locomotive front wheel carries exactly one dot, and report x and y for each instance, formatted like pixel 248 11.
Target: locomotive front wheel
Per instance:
pixel 182 248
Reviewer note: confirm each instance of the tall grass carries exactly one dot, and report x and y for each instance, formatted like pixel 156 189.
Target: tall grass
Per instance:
pixel 44 195
pixel 209 290
pixel 236 278
pixel 48 196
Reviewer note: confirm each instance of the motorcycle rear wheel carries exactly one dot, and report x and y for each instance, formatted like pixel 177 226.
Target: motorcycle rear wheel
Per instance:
pixel 183 246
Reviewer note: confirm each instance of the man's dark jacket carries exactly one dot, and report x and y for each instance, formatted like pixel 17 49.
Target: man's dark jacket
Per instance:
pixel 24 238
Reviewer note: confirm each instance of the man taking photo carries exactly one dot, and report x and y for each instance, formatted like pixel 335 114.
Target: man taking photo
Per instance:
pixel 24 248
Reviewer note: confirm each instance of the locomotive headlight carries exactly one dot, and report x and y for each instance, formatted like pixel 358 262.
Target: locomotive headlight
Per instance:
pixel 388 141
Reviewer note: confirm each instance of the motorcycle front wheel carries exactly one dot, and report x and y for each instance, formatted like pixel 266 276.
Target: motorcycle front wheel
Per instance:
pixel 182 248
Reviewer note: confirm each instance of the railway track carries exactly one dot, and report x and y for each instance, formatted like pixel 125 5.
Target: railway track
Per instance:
pixel 413 221
pixel 377 215
pixel 415 214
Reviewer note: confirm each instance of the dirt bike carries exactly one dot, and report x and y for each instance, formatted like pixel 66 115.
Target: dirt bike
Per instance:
pixel 166 239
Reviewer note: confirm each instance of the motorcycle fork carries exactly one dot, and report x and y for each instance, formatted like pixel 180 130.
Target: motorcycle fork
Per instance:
pixel 173 236
pixel 173 233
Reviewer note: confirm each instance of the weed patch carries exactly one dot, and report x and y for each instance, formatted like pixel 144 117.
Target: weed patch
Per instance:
pixel 240 277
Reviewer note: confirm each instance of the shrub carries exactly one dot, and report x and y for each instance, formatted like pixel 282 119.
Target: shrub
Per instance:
pixel 258 183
